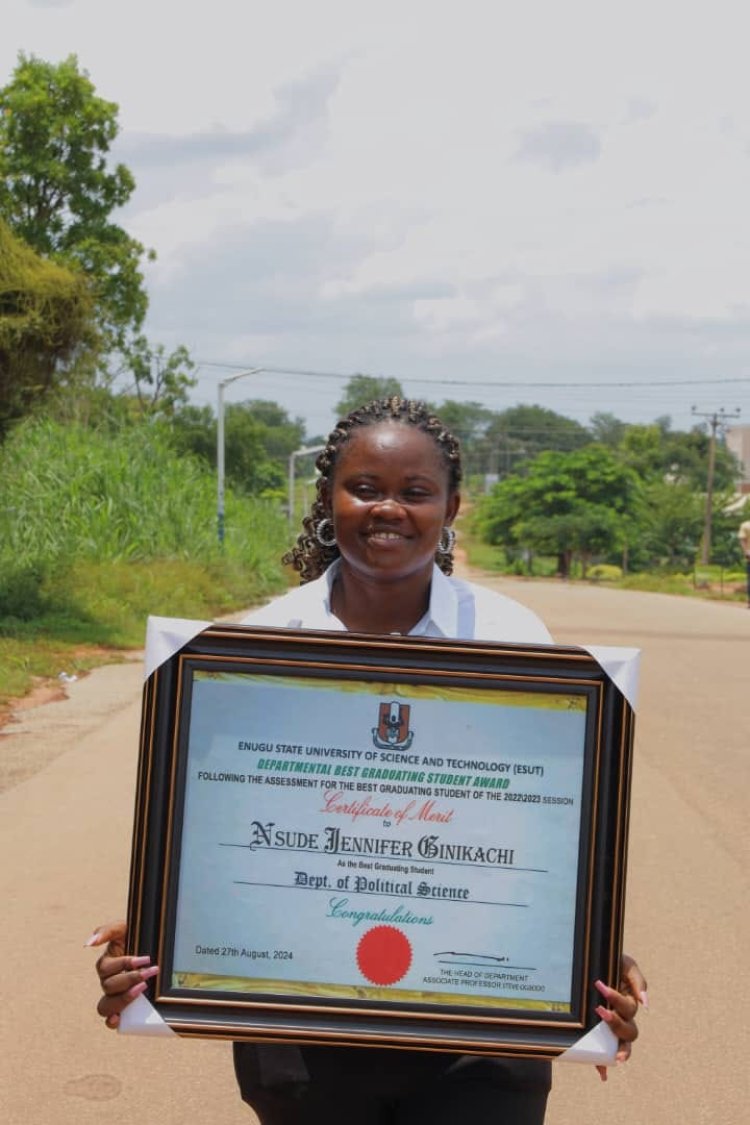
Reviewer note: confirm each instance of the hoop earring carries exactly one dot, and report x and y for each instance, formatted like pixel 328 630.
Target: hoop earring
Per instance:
pixel 447 539
pixel 320 533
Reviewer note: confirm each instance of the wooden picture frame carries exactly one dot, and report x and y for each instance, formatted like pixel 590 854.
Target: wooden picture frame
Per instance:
pixel 380 841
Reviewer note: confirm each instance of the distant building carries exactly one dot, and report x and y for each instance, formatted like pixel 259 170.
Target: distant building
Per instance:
pixel 738 441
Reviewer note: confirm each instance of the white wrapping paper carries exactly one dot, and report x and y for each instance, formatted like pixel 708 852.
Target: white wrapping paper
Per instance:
pixel 141 1018
pixel 165 636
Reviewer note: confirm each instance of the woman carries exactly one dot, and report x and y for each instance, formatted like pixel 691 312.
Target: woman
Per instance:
pixel 375 556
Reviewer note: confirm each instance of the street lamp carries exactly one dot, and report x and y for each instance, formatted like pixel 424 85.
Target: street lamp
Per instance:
pixel 220 447
pixel 292 456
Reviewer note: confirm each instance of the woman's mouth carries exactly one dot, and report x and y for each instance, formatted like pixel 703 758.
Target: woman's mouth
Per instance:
pixel 385 536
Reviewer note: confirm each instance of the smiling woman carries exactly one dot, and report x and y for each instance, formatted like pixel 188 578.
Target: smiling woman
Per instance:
pixel 390 501
pixel 375 556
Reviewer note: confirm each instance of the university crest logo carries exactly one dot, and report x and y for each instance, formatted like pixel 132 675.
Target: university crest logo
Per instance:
pixel 392 731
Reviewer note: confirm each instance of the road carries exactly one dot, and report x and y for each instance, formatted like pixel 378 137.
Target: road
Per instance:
pixel 64 835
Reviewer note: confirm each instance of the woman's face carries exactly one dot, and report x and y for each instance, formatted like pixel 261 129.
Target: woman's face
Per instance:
pixel 389 501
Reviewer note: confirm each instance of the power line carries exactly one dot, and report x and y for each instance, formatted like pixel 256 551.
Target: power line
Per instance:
pixel 486 382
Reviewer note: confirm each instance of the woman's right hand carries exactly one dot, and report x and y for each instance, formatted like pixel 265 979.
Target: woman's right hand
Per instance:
pixel 122 978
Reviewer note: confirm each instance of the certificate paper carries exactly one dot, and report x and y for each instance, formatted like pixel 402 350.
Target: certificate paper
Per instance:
pixel 431 849
pixel 389 841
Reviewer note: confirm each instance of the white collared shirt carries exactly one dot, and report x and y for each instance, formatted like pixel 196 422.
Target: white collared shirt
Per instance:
pixel 457 609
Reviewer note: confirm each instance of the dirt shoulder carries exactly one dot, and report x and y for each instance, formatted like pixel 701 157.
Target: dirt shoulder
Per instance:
pixel 55 716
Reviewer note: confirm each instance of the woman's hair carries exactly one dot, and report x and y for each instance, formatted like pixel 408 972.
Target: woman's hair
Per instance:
pixel 310 557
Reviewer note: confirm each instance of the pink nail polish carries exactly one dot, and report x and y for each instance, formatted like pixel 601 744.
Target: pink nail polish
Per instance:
pixel 604 1013
pixel 146 974
pixel 92 940
pixel 139 962
pixel 644 999
pixel 137 990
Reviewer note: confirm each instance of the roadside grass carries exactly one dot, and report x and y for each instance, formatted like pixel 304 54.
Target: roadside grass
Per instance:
pixel 96 611
pixel 494 559
pixel 712 582
pixel 99 530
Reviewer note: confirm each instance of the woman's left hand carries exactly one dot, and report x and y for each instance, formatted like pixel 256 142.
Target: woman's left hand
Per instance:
pixel 622 1007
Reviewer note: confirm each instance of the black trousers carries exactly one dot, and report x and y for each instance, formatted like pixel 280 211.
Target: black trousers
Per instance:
pixel 353 1086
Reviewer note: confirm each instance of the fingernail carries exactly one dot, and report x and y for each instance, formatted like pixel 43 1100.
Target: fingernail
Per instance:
pixel 604 1013
pixel 139 962
pixel 136 990
pixel 146 974
pixel 603 988
pixel 92 940
pixel 644 998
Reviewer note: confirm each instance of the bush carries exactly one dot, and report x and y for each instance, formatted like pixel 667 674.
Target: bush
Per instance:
pixel 604 572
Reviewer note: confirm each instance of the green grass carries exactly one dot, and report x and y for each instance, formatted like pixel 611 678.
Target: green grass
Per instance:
pixel 100 610
pixel 484 556
pixel 98 530
pixel 707 581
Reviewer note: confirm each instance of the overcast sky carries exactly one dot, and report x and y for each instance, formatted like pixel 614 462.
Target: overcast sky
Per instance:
pixel 474 197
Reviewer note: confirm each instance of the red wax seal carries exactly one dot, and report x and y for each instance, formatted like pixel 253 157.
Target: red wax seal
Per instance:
pixel 384 955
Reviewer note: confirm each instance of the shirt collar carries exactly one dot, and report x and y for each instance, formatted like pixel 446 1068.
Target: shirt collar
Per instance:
pixel 440 620
pixel 443 611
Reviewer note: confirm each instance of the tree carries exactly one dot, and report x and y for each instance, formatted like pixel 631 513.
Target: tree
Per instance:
pixel 657 453
pixel 583 531
pixel 57 191
pixel 258 439
pixel 161 382
pixel 468 421
pixel 362 389
pixel 606 429
pixel 46 320
pixel 670 523
pixel 518 434
pixel 575 503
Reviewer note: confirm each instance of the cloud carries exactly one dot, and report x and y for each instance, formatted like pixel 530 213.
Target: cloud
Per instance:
pixel 559 145
pixel 281 141
pixel 641 109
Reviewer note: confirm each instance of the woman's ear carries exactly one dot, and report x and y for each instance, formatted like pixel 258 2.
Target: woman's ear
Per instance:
pixel 451 511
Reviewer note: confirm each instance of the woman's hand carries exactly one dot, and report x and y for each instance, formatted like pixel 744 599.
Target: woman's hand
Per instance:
pixel 122 978
pixel 622 1007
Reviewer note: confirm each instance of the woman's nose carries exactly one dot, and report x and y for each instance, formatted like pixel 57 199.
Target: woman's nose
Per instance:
pixel 388 507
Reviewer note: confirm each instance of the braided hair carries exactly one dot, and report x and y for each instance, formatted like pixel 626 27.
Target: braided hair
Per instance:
pixel 308 555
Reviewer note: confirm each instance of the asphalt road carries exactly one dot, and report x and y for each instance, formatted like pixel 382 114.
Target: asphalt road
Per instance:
pixel 65 839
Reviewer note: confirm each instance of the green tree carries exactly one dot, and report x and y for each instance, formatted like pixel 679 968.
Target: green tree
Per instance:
pixel 57 190
pixel 670 523
pixel 161 381
pixel 575 503
pixel 46 321
pixel 657 453
pixel 364 388
pixel 258 438
pixel 606 429
pixel 518 434
pixel 583 531
pixel 469 422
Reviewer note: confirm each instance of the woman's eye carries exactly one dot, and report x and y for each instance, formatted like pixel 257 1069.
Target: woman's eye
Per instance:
pixel 364 490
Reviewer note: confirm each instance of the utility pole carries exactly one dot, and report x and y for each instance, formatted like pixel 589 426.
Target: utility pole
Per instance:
pixel 715 420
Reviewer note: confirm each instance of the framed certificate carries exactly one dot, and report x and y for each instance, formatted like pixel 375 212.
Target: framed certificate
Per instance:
pixel 380 841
